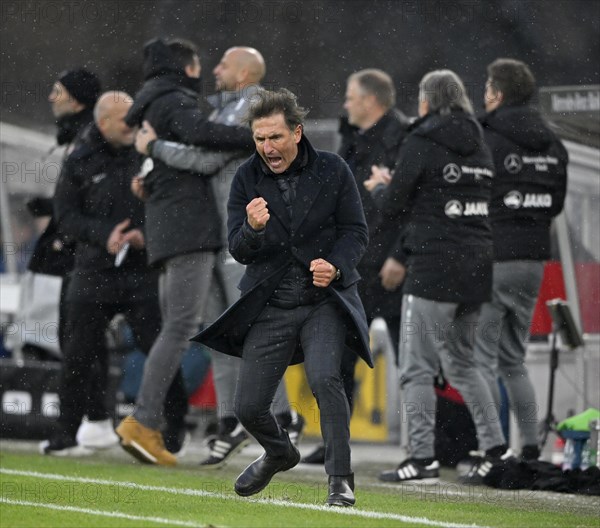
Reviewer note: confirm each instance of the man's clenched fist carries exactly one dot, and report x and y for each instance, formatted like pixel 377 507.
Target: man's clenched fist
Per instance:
pixel 323 272
pixel 258 214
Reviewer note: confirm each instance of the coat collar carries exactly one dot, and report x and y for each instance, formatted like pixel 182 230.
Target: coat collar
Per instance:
pixel 309 187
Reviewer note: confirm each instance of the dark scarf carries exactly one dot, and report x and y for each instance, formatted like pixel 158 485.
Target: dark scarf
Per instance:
pixel 69 125
pixel 287 181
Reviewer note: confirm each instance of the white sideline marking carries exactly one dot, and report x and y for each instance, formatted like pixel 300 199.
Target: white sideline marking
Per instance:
pixel 102 513
pixel 353 512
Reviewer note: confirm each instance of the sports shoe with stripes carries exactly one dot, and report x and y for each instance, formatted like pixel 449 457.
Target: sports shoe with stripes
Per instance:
pixel 224 446
pixel 411 471
pixel 482 466
pixel 296 429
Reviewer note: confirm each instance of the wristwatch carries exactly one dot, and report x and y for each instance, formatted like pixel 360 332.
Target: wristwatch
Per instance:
pixel 338 274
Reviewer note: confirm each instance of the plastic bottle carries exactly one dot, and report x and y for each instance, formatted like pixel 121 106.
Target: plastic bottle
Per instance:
pixel 568 455
pixel 585 455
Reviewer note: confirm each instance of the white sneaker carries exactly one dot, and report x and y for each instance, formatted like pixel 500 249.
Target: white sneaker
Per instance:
pixel 97 435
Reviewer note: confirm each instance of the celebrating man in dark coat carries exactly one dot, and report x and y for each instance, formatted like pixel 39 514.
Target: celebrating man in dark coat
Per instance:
pixel 296 221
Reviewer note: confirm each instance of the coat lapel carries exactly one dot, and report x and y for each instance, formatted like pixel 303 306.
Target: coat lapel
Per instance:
pixel 267 189
pixel 309 187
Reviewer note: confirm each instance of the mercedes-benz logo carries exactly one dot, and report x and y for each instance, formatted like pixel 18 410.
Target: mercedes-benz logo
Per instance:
pixel 452 173
pixel 453 209
pixel 513 163
pixel 513 199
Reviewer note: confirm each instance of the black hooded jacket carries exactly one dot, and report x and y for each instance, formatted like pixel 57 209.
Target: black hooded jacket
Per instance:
pixel 181 213
pixel 442 181
pixel 530 185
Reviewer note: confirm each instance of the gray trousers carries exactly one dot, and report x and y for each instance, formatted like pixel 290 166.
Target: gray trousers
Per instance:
pixel 500 345
pixel 268 349
pixel 182 290
pixel 435 334
pixel 226 369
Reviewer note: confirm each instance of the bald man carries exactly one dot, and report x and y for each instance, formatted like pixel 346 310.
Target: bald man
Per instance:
pixel 237 79
pixel 96 209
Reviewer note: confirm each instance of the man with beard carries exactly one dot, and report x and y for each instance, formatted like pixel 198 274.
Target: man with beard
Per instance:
pixel 183 232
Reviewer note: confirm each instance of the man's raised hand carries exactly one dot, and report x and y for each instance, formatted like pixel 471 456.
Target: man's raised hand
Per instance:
pixel 258 214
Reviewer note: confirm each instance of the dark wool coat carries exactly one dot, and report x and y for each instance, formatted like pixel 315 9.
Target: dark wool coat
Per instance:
pixel 379 145
pixel 327 222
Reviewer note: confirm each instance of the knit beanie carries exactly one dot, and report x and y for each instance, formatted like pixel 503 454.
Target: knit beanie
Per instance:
pixel 82 85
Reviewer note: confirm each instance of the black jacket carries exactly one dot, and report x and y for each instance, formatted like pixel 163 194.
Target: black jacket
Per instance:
pixel 379 145
pixel 327 221
pixel 181 213
pixel 93 195
pixel 52 254
pixel 530 185
pixel 442 181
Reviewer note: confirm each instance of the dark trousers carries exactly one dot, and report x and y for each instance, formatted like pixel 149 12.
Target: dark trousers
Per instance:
pixel 85 358
pixel 268 349
pixel 96 409
pixel 349 358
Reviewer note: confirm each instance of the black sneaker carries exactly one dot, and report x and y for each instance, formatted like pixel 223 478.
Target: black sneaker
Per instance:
pixel 63 446
pixel 412 471
pixel 481 467
pixel 224 446
pixel 317 456
pixel 176 442
pixel 295 429
pixel 530 452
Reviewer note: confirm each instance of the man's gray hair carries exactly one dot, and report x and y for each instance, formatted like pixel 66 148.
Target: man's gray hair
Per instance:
pixel 378 83
pixel 444 91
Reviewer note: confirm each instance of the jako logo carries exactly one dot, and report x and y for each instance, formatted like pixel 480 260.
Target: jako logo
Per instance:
pixel 513 199
pixel 538 200
pixel 476 209
pixel 454 209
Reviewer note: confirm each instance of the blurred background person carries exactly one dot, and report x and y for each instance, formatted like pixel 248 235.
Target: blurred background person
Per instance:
pixel 95 207
pixel 183 233
pixel 372 133
pixel 442 181
pixel 528 191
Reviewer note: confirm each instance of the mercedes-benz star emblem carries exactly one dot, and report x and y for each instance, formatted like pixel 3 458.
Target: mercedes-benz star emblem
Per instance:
pixel 452 173
pixel 513 163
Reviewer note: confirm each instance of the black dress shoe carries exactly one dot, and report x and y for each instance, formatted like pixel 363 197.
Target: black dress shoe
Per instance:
pixel 315 457
pixel 341 490
pixel 257 475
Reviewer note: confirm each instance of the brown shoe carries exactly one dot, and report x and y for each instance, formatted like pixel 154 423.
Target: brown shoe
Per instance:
pixel 144 443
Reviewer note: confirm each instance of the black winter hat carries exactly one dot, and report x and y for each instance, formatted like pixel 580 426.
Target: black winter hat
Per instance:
pixel 82 85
